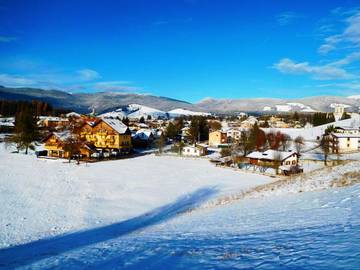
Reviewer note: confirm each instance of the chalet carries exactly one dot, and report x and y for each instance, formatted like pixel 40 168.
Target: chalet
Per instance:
pixel 217 138
pixel 55 145
pixel 344 142
pixel 194 150
pixel 52 122
pixel 7 124
pixel 107 135
pixel 272 157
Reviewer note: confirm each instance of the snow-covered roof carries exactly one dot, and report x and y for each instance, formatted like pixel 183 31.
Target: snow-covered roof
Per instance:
pixel 116 124
pixel 345 135
pixel 63 135
pixel 72 114
pixel 271 155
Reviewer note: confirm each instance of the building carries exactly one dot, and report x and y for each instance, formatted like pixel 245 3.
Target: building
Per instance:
pixel 273 157
pixel 344 142
pixel 194 150
pixel 55 145
pixel 106 134
pixel 217 138
pixel 339 110
pixel 52 122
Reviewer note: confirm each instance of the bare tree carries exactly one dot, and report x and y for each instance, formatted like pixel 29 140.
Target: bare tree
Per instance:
pixel 325 147
pixel 299 144
pixel 285 141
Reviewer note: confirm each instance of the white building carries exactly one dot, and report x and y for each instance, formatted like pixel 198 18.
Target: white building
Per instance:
pixel 269 157
pixel 339 110
pixel 194 150
pixel 345 142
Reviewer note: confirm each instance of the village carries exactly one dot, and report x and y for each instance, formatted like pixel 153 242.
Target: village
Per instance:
pixel 267 143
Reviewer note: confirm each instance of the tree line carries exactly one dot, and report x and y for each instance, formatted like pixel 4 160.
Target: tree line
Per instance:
pixel 12 107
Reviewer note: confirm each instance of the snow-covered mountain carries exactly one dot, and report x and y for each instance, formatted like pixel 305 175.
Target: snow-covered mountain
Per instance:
pixel 136 111
pixel 110 102
pixel 183 112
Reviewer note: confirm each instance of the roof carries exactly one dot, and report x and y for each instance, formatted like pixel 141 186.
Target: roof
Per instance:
pixel 63 135
pixel 345 135
pixel 271 155
pixel 116 124
pixel 347 128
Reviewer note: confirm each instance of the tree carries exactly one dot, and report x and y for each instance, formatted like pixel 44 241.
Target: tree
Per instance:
pixel 257 138
pixel 74 142
pixel 345 116
pixel 214 125
pixel 330 129
pixel 180 146
pixel 142 120
pixel 148 117
pixel 299 144
pixel 172 131
pixel 225 152
pixel 245 143
pixel 72 146
pixel 325 147
pixel 126 121
pixel 285 141
pixel 161 143
pixel 26 130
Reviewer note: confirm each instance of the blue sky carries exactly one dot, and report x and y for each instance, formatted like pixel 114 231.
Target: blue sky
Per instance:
pixel 189 49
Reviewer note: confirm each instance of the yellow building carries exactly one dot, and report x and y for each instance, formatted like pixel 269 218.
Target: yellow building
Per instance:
pixel 217 137
pixel 109 134
pixel 55 145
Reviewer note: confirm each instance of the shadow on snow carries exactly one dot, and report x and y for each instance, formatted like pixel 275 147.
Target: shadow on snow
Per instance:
pixel 25 254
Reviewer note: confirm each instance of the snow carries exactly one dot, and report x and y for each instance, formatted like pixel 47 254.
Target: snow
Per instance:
pixel 159 212
pixel 334 105
pixel 143 111
pixel 183 112
pixel 271 155
pixel 314 132
pixel 116 125
pixel 283 108
pixel 135 111
pixel 41 197
pixel 354 97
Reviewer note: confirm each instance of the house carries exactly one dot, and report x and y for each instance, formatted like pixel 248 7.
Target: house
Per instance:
pixel 234 133
pixel 339 110
pixel 273 157
pixel 347 130
pixel 344 142
pixel 7 124
pixel 106 134
pixel 55 145
pixel 217 138
pixel 194 150
pixel 52 122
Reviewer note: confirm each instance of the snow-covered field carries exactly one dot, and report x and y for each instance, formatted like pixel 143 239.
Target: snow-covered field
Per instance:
pixel 134 214
pixel 41 197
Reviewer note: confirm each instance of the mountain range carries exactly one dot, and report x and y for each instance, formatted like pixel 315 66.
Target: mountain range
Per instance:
pixel 108 101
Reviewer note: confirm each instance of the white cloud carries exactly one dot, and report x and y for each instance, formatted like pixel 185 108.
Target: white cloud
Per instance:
pixel 7 39
pixel 88 74
pixel 347 60
pixel 116 86
pixel 15 80
pixel 286 18
pixel 354 85
pixel 349 37
pixel 324 72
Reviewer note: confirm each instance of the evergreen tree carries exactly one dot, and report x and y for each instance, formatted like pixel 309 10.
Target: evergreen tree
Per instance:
pixel 26 130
